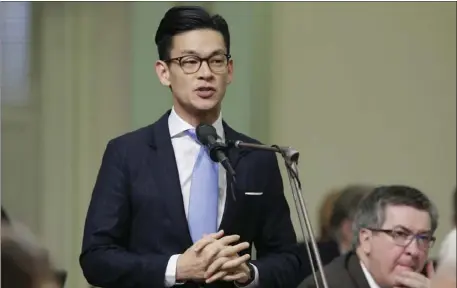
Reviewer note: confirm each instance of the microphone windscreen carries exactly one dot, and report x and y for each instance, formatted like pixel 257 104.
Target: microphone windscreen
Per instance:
pixel 205 132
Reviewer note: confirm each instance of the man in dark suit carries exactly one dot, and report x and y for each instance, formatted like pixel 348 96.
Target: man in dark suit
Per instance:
pixel 161 213
pixel 393 229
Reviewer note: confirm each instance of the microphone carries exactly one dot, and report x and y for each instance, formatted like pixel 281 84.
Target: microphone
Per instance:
pixel 207 135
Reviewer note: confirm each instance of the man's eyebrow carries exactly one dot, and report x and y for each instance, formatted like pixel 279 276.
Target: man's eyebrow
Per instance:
pixel 421 232
pixel 193 52
pixel 401 227
pixel 188 52
pixel 218 51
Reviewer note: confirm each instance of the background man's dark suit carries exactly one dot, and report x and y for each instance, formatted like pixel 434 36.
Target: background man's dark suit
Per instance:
pixel 136 217
pixel 328 251
pixel 343 272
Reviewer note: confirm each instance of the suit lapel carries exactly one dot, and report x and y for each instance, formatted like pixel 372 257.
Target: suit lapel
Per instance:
pixel 168 180
pixel 231 205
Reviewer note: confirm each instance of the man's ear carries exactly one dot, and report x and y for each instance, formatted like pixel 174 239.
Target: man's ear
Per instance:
pixel 230 71
pixel 365 236
pixel 163 72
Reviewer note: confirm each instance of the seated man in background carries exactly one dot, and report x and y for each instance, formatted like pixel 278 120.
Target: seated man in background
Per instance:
pixel 340 234
pixel 445 276
pixel 393 232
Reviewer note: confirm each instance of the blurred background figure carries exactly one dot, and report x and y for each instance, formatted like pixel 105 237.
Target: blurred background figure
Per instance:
pixel 337 213
pixel 445 276
pixel 325 212
pixel 343 214
pixel 25 264
pixel 22 255
pixel 5 218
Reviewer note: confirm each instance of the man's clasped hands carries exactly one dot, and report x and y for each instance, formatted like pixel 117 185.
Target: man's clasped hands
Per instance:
pixel 214 258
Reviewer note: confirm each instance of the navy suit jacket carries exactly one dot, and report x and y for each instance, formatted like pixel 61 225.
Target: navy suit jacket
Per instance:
pixel 136 217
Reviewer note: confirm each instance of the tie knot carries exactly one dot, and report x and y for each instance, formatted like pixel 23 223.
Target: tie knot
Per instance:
pixel 193 135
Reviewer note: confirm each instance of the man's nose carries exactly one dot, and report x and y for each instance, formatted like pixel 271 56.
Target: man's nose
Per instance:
pixel 414 248
pixel 205 71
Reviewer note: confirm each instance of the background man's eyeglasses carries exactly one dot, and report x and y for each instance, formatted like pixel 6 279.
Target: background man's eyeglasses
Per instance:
pixel 191 63
pixel 404 238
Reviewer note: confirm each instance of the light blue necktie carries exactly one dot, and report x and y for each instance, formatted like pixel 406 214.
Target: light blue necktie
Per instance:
pixel 204 193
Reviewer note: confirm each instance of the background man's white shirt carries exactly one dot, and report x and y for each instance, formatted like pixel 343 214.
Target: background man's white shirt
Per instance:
pixel 368 276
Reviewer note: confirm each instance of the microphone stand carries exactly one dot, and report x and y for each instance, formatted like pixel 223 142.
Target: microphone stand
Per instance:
pixel 290 157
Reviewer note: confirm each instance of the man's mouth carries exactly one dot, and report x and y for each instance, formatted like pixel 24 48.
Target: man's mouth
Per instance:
pixel 205 92
pixel 206 88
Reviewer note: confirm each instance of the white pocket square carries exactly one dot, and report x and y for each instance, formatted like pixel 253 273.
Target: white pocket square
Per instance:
pixel 253 193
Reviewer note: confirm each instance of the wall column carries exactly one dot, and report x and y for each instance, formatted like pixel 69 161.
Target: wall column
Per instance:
pixel 84 97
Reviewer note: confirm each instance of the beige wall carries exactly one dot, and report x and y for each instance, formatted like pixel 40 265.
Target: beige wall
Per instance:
pixel 367 92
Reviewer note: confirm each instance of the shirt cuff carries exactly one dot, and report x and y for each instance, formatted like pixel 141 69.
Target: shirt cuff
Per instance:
pixel 170 272
pixel 254 283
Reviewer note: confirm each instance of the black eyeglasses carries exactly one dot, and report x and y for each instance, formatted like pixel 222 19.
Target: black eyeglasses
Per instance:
pixel 191 63
pixel 404 238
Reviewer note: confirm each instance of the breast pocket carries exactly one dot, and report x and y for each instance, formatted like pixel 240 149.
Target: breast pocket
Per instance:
pixel 250 193
pixel 252 202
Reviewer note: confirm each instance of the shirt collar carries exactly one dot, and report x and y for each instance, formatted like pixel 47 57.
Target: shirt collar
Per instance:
pixel 368 276
pixel 177 126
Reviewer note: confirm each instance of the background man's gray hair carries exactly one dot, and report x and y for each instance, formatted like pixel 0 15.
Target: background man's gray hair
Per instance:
pixel 371 210
pixel 345 206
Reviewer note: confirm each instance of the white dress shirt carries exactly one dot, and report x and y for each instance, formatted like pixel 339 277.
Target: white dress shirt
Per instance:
pixel 367 274
pixel 186 151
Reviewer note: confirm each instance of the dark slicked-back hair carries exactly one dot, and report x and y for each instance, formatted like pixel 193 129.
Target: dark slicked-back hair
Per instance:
pixel 181 19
